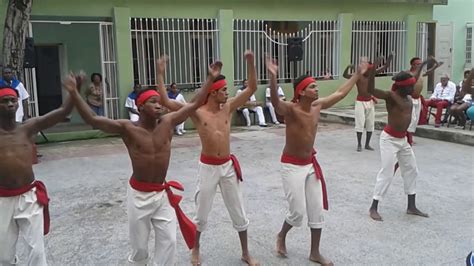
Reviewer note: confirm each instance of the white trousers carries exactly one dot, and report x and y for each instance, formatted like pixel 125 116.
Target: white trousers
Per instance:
pixel 364 114
pixel 271 109
pixel 258 110
pixel 392 150
pixel 224 176
pixel 415 115
pixel 21 214
pixel 146 209
pixel 179 127
pixel 303 193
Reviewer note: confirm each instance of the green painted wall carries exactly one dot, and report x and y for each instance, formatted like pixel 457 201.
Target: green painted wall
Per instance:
pixel 119 11
pixel 459 12
pixel 81 46
pixel 3 13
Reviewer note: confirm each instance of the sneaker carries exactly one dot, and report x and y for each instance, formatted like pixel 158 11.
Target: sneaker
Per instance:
pixel 263 125
pixel 179 133
pixel 183 131
pixel 276 123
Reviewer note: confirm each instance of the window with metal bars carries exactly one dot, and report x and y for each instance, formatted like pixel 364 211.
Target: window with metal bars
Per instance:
pixel 191 44
pixel 373 39
pixel 321 48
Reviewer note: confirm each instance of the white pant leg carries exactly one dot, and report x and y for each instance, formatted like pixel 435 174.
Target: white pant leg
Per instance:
pixel 232 196
pixel 164 224
pixel 271 109
pixel 415 115
pixel 181 126
pixel 260 115
pixel 359 116
pixel 246 114
pixel 314 200
pixel 29 217
pixel 370 116
pixel 389 147
pixel 8 230
pixel 140 208
pixel 208 178
pixel 294 180
pixel 408 168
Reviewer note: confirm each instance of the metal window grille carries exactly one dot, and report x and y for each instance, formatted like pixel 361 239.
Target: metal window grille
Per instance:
pixel 321 48
pixel 422 40
pixel 469 45
pixel 373 39
pixel 191 44
pixel 109 70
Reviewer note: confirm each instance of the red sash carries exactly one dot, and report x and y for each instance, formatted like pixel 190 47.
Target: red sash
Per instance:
pixel 218 161
pixel 394 133
pixel 285 158
pixel 188 228
pixel 366 99
pixel 41 196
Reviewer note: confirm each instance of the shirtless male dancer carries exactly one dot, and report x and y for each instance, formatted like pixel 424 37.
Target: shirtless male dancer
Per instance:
pixel 150 200
pixel 393 142
pixel 24 200
pixel 217 166
pixel 302 177
pixel 364 108
pixel 415 70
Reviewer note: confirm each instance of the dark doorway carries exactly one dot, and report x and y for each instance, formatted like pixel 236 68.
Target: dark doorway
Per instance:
pixel 48 78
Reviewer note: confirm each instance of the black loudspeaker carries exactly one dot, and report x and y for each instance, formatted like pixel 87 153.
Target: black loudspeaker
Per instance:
pixel 29 58
pixel 295 49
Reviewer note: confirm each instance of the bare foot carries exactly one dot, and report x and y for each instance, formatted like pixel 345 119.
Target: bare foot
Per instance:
pixel 367 147
pixel 195 258
pixel 321 260
pixel 359 148
pixel 249 260
pixel 281 247
pixel 374 214
pixel 415 211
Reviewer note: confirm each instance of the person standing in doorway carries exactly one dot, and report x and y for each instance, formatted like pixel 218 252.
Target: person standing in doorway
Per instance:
pixel 8 80
pixel 94 95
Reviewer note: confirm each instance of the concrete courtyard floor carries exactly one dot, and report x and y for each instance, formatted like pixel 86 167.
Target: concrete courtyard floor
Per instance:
pixel 87 183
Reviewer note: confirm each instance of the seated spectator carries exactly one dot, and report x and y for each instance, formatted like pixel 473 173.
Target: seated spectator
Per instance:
pixel 470 89
pixel 442 97
pixel 268 103
pixel 461 103
pixel 130 103
pixel 252 105
pixel 175 94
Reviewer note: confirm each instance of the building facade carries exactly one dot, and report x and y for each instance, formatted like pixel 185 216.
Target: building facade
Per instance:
pixel 122 39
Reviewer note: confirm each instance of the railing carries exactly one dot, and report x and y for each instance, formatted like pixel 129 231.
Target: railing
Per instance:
pixel 321 49
pixel 191 44
pixel 374 39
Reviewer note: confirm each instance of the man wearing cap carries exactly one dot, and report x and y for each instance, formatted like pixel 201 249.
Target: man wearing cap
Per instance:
pixel 442 97
pixel 150 199
pixel 303 181
pixel 393 142
pixel 24 200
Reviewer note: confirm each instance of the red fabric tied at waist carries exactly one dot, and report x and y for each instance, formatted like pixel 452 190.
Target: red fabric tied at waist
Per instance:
pixel 285 158
pixel 219 161
pixel 394 133
pixel 41 196
pixel 366 99
pixel 188 228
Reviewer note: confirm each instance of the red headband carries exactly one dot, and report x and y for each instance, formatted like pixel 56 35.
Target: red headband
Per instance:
pixel 142 98
pixel 301 86
pixel 218 85
pixel 8 92
pixel 403 83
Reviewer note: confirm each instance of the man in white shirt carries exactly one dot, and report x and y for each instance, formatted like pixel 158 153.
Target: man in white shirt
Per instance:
pixel 130 103
pixel 9 81
pixel 252 105
pixel 268 103
pixel 442 97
